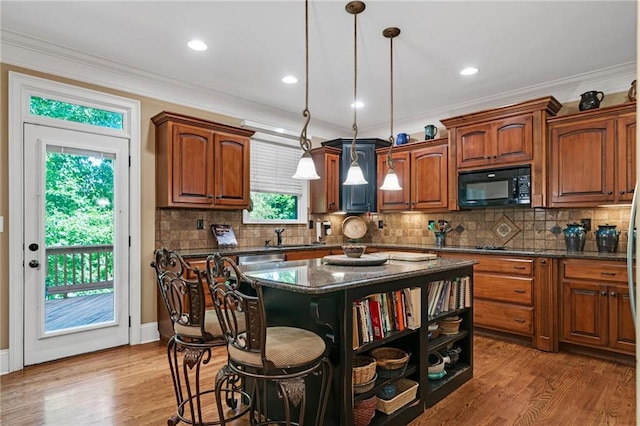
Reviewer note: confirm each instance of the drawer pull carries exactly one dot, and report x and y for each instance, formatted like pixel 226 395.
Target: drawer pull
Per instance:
pixel 519 267
pixel 603 293
pixel 613 294
pixel 519 320
pixel 519 290
pixel 608 274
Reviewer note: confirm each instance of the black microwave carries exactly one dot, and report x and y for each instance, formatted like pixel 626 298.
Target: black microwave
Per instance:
pixel 489 188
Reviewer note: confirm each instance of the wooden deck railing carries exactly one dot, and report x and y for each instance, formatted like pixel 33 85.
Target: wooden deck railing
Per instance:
pixel 79 268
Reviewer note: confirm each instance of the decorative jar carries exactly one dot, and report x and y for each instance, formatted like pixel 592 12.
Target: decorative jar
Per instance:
pixel 574 236
pixel 607 238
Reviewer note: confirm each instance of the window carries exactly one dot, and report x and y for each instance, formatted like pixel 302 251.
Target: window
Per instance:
pixel 276 197
pixel 74 112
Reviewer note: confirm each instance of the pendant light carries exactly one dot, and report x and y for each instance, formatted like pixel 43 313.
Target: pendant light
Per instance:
pixel 391 179
pixel 306 168
pixel 354 174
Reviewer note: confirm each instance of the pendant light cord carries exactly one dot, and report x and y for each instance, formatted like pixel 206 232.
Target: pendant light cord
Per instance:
pixel 390 161
pixel 354 154
pixel 305 143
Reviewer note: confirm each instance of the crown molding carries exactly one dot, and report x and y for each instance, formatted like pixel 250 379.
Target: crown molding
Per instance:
pixel 615 79
pixel 28 52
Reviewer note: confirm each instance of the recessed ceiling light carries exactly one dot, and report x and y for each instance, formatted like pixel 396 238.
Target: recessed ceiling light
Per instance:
pixel 289 79
pixel 197 45
pixel 358 104
pixel 469 71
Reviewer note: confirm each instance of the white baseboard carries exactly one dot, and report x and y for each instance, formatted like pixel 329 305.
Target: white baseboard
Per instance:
pixel 148 333
pixel 4 361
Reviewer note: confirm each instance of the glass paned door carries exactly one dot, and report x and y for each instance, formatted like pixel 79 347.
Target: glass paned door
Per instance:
pixel 76 242
pixel 79 237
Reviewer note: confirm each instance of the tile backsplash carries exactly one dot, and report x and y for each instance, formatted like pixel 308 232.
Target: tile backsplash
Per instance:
pixel 534 229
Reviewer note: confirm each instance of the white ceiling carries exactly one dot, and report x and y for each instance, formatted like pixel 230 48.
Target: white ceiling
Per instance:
pixel 524 49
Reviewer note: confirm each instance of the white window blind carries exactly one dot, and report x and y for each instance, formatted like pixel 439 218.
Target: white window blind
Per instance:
pixel 272 165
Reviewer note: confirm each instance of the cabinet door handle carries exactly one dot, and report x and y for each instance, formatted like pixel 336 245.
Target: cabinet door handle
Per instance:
pixel 630 191
pixel 613 294
pixel 608 274
pixel 519 290
pixel 209 196
pixel 488 157
pixel 495 156
pixel 603 293
pixel 609 192
pixel 543 261
pixel 520 320
pixel 519 267
pixel 622 192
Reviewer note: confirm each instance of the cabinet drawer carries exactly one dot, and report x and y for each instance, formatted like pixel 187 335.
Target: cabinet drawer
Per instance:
pixel 497 264
pixel 503 316
pixel 594 270
pixel 502 288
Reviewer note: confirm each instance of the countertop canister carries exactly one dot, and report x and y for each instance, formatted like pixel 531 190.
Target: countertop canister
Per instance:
pixel 607 238
pixel 574 236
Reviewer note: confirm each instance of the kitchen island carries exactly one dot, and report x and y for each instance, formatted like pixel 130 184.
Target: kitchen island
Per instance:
pixel 320 297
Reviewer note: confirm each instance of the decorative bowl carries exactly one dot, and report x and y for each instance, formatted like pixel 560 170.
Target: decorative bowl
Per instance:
pixel 354 250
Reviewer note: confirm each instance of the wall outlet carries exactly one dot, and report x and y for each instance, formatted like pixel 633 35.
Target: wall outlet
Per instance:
pixel 380 224
pixel 310 224
pixel 586 223
pixel 200 224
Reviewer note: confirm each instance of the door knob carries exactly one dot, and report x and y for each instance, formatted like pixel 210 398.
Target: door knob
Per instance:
pixel 34 263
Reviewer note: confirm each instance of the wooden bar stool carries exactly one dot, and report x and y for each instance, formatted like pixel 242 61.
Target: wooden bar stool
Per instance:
pixel 284 358
pixel 196 332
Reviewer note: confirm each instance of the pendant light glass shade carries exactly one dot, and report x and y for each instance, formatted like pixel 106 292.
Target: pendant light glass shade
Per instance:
pixel 306 168
pixel 354 174
pixel 391 182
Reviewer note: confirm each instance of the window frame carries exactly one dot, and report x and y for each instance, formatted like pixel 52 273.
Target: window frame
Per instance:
pixel 303 198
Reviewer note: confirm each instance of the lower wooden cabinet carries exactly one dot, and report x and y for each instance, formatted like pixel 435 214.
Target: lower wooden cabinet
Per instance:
pixel 515 295
pixel 596 309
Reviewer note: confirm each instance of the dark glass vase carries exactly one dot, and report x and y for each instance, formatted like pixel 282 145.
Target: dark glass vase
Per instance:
pixel 607 238
pixel 574 237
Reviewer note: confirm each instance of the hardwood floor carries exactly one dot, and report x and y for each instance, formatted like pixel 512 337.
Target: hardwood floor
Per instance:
pixel 512 385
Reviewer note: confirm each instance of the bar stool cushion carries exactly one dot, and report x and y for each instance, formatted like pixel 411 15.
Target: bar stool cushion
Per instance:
pixel 285 347
pixel 211 325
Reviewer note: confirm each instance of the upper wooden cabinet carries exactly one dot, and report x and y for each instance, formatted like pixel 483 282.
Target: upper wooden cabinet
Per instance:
pixel 497 143
pixel 509 136
pixel 325 192
pixel 592 157
pixel 422 172
pixel 201 164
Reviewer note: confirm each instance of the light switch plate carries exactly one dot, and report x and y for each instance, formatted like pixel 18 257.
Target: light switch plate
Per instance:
pixel 1 224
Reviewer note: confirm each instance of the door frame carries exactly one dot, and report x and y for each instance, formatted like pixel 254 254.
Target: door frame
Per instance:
pixel 21 86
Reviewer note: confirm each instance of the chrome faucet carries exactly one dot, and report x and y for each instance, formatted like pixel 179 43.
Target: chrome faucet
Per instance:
pixel 279 232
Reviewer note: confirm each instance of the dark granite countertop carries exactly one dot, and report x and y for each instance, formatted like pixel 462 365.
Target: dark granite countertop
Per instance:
pixel 203 252
pixel 315 277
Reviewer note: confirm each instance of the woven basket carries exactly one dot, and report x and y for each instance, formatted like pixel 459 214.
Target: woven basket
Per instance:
pixel 406 391
pixel 365 387
pixel 449 327
pixel 390 358
pixel 363 411
pixel 364 368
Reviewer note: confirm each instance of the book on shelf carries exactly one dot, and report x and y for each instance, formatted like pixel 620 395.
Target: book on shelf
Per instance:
pixel 412 301
pixel 367 317
pixel 399 315
pixel 376 320
pixel 356 327
pixel 467 292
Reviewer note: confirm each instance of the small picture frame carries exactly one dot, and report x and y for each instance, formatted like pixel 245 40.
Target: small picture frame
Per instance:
pixel 224 235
